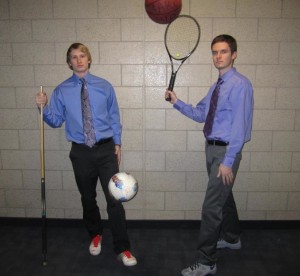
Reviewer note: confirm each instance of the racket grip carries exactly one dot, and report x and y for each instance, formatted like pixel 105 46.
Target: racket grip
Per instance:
pixel 171 85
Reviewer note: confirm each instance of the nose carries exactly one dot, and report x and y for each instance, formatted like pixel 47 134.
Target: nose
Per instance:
pixel 219 55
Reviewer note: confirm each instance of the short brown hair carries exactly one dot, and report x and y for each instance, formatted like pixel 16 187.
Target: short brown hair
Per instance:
pixel 228 39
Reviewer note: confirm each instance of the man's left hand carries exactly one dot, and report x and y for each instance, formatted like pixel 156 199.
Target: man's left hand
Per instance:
pixel 118 153
pixel 226 174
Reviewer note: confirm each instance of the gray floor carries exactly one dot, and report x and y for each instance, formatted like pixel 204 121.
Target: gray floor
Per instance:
pixel 160 252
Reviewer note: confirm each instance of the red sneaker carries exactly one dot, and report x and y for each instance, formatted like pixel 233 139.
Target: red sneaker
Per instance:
pixel 127 258
pixel 95 246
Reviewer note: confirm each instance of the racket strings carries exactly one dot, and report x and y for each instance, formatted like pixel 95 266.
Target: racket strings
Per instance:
pixel 182 37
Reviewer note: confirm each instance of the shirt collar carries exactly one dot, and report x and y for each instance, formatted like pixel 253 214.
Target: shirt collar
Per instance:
pixel 228 74
pixel 77 80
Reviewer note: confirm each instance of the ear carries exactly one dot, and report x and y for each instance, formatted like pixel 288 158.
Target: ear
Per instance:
pixel 234 55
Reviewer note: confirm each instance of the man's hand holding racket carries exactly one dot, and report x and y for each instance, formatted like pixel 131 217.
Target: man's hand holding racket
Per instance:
pixel 171 96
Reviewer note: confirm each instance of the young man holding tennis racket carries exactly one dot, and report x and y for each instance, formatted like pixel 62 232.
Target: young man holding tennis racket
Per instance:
pixel 88 106
pixel 227 111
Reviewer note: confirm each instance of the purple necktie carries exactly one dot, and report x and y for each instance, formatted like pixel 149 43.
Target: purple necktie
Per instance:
pixel 87 118
pixel 212 109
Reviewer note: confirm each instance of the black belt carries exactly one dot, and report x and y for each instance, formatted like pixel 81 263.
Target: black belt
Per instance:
pixel 100 142
pixel 217 143
pixel 103 141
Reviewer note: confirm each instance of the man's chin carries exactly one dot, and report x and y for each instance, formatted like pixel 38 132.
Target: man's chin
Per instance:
pixel 81 70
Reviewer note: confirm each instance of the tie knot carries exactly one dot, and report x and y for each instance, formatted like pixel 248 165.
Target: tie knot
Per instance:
pixel 220 81
pixel 83 84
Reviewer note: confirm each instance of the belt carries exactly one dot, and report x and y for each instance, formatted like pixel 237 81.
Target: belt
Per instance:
pixel 103 141
pixel 100 142
pixel 217 143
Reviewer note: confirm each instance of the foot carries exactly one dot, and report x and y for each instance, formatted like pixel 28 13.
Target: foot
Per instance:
pixel 127 258
pixel 95 246
pixel 224 244
pixel 199 269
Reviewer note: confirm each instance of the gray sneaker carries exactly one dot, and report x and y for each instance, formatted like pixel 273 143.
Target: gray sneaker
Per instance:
pixel 199 269
pixel 224 244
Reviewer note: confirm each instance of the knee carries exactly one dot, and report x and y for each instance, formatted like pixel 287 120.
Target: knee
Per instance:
pixel 115 206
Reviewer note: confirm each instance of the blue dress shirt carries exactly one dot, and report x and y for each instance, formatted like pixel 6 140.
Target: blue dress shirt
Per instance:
pixel 234 113
pixel 65 106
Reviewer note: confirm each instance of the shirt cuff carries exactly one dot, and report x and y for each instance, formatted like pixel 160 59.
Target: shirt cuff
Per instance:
pixel 117 141
pixel 228 162
pixel 178 105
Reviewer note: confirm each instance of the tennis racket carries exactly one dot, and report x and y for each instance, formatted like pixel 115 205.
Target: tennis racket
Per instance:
pixel 182 37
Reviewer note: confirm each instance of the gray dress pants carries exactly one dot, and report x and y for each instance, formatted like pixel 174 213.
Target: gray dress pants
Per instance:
pixel 219 213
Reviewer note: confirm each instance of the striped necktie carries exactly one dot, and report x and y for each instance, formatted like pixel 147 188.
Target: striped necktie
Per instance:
pixel 87 118
pixel 212 109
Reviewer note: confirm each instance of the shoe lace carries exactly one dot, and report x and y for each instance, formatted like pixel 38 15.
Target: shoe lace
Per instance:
pixel 96 240
pixel 127 254
pixel 195 266
pixel 198 265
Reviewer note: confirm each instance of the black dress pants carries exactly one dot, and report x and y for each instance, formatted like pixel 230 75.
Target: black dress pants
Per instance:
pixel 89 165
pixel 219 213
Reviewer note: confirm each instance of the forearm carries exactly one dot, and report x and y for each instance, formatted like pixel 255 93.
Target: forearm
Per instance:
pixel 195 113
pixel 51 119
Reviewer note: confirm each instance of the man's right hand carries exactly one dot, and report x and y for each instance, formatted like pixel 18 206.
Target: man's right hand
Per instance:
pixel 171 95
pixel 41 99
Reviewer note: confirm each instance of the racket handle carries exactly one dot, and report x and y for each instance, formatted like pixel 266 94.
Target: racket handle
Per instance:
pixel 171 85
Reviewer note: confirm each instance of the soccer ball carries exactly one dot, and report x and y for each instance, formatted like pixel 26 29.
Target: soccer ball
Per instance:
pixel 123 186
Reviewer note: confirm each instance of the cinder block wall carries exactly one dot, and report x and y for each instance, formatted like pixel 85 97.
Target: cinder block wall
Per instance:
pixel 161 148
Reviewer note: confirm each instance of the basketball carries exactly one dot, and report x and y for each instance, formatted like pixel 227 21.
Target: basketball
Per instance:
pixel 123 186
pixel 163 11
